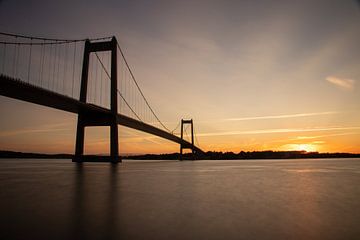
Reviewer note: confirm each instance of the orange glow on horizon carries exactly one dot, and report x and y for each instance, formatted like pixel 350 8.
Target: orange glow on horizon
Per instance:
pixel 141 145
pixel 305 147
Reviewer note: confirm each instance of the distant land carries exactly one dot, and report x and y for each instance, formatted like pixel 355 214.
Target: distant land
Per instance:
pixel 206 156
pixel 12 154
pixel 245 155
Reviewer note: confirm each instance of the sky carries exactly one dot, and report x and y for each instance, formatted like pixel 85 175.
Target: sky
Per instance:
pixel 254 75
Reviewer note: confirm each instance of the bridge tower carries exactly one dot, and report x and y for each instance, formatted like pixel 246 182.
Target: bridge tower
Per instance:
pixel 94 118
pixel 182 146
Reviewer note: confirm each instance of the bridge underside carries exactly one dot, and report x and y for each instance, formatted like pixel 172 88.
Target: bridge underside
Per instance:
pixel 97 116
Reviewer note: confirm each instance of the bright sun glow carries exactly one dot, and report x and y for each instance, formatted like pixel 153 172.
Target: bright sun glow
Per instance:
pixel 305 147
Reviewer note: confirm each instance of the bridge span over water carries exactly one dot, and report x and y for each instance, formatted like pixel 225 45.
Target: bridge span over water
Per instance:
pixel 88 77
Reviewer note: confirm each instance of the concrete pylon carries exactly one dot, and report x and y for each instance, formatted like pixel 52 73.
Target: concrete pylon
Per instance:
pixel 88 118
pixel 182 146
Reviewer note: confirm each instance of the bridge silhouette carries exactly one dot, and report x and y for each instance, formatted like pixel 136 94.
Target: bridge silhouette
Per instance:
pixel 88 77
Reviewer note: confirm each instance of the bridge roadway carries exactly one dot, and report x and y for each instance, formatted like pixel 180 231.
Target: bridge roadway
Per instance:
pixel 14 88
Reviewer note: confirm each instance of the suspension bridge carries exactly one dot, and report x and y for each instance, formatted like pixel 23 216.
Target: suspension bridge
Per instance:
pixel 88 77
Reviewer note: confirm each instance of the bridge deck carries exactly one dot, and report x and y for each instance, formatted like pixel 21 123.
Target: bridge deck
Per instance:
pixel 17 89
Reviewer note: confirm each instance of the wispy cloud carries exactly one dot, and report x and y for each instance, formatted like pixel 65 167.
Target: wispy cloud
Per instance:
pixel 347 84
pixel 282 116
pixel 324 136
pixel 41 129
pixel 278 130
pixel 302 138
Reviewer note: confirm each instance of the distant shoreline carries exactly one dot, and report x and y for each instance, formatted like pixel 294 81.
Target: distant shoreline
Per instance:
pixel 188 156
pixel 13 154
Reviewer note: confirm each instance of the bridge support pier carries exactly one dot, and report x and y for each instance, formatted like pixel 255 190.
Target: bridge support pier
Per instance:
pixel 183 122
pixel 88 118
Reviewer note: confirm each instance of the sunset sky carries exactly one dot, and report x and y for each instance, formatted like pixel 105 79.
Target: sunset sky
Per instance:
pixel 254 75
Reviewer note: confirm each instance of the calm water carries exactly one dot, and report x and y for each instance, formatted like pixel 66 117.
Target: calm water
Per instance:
pixel 259 199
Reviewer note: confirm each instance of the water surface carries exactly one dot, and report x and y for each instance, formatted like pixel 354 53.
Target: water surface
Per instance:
pixel 251 199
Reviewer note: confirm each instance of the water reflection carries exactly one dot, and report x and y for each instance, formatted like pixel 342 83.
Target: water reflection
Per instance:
pixel 48 199
pixel 95 203
pixel 113 201
pixel 77 211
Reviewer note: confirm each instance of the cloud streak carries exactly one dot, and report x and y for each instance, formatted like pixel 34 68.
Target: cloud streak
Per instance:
pixel 278 130
pixel 346 84
pixel 282 116
pixel 44 129
pixel 324 136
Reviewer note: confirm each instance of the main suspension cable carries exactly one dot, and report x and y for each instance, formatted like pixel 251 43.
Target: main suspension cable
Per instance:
pixel 138 87
pixel 108 75
pixel 52 39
